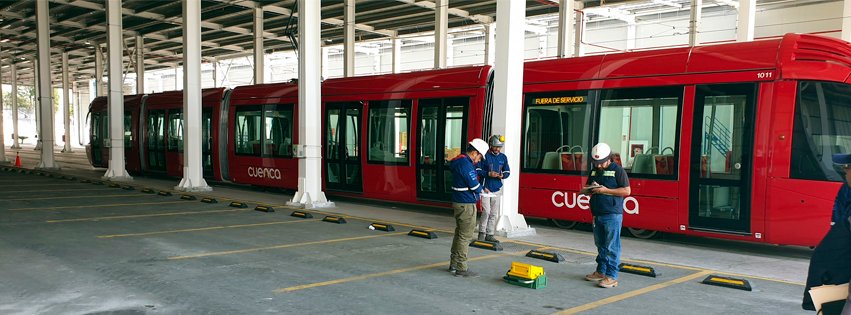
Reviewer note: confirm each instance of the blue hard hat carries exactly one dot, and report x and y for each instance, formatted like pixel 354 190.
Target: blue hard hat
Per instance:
pixel 842 159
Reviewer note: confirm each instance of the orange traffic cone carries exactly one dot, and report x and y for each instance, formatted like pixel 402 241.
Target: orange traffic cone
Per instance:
pixel 17 160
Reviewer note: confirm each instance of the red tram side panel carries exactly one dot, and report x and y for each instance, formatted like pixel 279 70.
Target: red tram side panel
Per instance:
pixel 405 168
pixel 738 190
pixel 163 132
pixel 262 126
pixel 711 135
pixel 98 148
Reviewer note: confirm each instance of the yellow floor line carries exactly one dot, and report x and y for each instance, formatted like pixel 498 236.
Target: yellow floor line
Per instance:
pixel 42 185
pixel 115 217
pixel 391 272
pixel 98 206
pixel 210 228
pixel 634 293
pixel 77 197
pixel 248 250
pixel 581 252
pixel 41 192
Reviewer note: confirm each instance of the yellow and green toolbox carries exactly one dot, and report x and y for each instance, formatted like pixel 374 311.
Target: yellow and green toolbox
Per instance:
pixel 526 275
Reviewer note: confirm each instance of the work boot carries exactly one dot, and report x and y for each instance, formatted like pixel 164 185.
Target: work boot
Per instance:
pixel 452 270
pixel 466 274
pixel 490 238
pixel 481 236
pixel 608 283
pixel 594 276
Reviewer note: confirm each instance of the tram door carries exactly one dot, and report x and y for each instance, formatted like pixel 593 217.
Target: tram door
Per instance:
pixel 156 140
pixel 721 161
pixel 342 143
pixel 99 137
pixel 442 134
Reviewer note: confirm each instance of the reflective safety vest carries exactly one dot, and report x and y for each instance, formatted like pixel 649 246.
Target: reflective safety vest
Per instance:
pixel 465 183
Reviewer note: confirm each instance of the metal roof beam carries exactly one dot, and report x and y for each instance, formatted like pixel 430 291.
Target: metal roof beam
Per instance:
pixel 478 18
pixel 613 13
pixel 731 3
pixel 668 3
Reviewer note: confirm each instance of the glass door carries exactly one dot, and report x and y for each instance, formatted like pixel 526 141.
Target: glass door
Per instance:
pixel 722 147
pixel 207 141
pixel 442 133
pixel 342 144
pixel 98 137
pixel 156 140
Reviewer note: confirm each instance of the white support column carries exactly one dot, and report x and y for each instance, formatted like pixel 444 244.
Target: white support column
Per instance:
pixel 37 108
pixel 99 90
pixel 565 26
pixel 309 148
pixel 324 66
pixel 349 38
pixel 259 64
pixel 140 64
pixel 846 20
pixel 694 22
pixel 66 101
pixel 397 54
pixel 441 24
pixel 14 75
pixel 490 43
pixel 508 83
pixel 3 158
pixel 630 35
pixel 215 72
pixel 450 52
pixel 45 95
pixel 747 21
pixel 193 172
pixel 115 50
pixel 578 48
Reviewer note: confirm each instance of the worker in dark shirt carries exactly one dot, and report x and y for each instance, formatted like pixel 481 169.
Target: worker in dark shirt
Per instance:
pixel 608 185
pixel 831 260
pixel 465 193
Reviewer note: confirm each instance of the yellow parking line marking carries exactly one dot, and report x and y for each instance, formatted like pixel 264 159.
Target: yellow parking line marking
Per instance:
pixel 42 185
pixel 663 264
pixel 205 228
pixel 256 249
pixel 41 192
pixel 387 273
pixel 116 217
pixel 98 206
pixel 634 293
pixel 77 197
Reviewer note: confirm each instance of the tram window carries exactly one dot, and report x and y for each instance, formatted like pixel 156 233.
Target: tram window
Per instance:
pixel 278 125
pixel 175 131
pixel 128 135
pixel 389 122
pixel 641 126
pixel 557 135
pixel 822 128
pixel 249 126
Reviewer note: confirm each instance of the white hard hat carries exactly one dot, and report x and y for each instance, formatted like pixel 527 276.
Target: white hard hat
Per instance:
pixel 480 146
pixel 600 153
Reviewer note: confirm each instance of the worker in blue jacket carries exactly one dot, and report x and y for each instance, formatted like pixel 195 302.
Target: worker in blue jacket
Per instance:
pixel 465 193
pixel 492 170
pixel 831 260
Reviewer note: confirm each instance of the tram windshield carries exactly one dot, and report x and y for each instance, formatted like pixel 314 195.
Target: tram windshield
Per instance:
pixel 822 128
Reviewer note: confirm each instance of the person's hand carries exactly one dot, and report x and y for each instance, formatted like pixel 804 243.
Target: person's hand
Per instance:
pixel 487 190
pixel 492 174
pixel 599 190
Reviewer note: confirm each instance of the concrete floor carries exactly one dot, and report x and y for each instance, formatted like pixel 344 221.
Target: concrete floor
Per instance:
pixel 79 248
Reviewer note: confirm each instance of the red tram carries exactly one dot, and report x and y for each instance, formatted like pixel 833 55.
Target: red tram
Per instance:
pixel 727 141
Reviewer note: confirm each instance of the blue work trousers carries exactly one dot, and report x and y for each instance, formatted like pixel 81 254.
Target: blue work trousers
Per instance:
pixel 607 237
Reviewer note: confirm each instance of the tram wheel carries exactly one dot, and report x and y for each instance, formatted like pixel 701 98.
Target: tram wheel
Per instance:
pixel 564 224
pixel 642 233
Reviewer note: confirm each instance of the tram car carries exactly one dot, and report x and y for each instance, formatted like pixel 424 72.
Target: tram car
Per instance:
pixel 730 141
